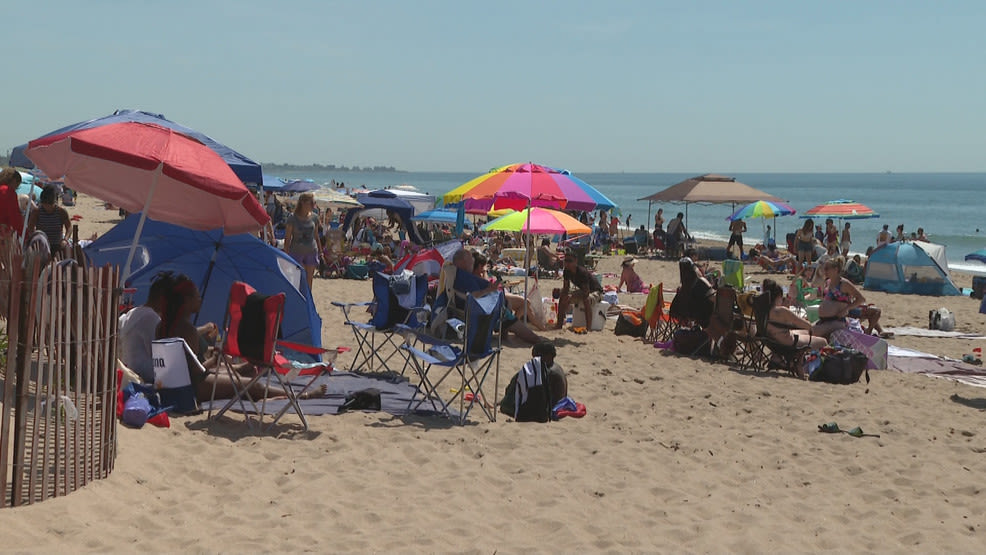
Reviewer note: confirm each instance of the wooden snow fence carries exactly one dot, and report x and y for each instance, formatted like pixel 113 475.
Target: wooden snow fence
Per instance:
pixel 58 388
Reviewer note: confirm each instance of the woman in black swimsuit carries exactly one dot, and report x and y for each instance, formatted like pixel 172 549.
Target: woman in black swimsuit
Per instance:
pixel 783 325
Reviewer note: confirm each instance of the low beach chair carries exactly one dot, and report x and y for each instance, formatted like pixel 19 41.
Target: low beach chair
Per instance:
pixel 656 315
pixel 725 325
pixel 252 325
pixel 771 354
pixel 397 299
pixel 468 364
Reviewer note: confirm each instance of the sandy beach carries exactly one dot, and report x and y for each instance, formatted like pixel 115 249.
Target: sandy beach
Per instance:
pixel 675 455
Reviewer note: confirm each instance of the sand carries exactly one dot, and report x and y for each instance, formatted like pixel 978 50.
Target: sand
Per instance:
pixel 675 454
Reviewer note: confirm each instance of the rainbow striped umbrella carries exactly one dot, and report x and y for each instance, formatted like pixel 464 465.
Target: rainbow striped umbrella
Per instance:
pixel 518 186
pixel 538 221
pixel 762 209
pixel 841 209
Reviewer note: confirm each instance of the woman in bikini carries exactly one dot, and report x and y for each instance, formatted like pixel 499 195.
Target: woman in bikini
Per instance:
pixel 804 243
pixel 840 299
pixel 783 325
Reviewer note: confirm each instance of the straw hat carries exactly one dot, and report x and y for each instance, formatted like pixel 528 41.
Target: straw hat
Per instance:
pixel 629 261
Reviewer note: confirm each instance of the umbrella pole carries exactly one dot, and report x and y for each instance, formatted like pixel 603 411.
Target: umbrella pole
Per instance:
pixel 208 274
pixel 140 226
pixel 527 258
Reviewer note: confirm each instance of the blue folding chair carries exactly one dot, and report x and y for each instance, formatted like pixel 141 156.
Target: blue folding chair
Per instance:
pixel 397 299
pixel 469 362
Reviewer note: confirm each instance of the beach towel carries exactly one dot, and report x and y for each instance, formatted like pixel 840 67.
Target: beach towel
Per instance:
pixel 922 332
pixel 395 390
pixel 917 362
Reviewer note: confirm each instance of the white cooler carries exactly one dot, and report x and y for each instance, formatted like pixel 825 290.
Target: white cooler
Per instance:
pixel 598 316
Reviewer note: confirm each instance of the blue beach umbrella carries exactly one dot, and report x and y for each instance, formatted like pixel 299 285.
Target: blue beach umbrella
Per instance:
pixel 213 261
pixel 979 255
pixel 439 216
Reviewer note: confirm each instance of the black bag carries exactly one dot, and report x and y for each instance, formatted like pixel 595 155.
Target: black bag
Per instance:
pixel 842 367
pixel 537 407
pixel 690 342
pixel 364 399
pixel 631 323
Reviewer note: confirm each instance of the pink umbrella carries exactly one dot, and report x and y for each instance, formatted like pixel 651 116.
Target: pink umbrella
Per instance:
pixel 150 169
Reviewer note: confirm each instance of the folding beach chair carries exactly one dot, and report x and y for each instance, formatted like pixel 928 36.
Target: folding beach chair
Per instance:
pixel 725 325
pixel 397 299
pixel 786 357
pixel 468 364
pixel 656 315
pixel 251 325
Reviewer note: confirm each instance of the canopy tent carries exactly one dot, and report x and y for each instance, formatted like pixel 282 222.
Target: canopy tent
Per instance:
pixel 388 202
pixel 420 201
pixel 910 267
pixel 709 189
pixel 246 169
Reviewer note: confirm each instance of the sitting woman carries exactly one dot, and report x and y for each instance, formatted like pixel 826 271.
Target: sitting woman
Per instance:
pixel 854 270
pixel 842 299
pixel 181 302
pixel 783 325
pixel 695 299
pixel 630 277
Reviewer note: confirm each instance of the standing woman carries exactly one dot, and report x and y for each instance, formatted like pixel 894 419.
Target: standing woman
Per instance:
pixel 804 243
pixel 52 219
pixel 300 236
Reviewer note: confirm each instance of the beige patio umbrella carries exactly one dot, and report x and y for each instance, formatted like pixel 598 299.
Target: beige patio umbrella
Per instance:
pixel 709 189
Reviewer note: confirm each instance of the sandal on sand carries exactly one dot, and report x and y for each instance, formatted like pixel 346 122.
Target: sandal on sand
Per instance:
pixel 833 428
pixel 887 335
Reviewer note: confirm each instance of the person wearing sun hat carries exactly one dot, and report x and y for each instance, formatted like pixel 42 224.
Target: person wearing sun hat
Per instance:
pixel 630 277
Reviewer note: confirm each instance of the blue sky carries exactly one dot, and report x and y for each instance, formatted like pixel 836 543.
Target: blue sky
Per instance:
pixel 650 86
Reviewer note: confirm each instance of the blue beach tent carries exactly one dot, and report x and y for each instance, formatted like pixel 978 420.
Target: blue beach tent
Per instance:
pixel 246 169
pixel 213 261
pixel 911 267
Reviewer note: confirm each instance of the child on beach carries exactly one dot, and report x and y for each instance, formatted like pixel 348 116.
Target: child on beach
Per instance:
pixel 630 277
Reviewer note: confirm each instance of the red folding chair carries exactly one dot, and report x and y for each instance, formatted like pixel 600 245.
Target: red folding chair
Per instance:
pixel 251 327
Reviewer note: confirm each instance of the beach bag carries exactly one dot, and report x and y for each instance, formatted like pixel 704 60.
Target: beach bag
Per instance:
pixel 844 366
pixel 527 397
pixel 691 342
pixel 136 410
pixel 941 319
pixel 172 376
pixel 632 323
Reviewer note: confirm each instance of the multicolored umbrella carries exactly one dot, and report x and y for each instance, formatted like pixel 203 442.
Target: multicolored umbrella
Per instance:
pixel 518 186
pixel 762 209
pixel 841 209
pixel 538 220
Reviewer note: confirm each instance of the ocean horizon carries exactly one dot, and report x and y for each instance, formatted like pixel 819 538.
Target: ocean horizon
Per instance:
pixel 946 204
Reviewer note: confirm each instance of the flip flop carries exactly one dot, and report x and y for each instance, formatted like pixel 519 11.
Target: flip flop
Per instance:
pixel 858 432
pixel 830 428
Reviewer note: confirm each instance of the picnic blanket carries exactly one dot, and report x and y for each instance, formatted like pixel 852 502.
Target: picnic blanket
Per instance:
pixel 917 362
pixel 395 395
pixel 922 332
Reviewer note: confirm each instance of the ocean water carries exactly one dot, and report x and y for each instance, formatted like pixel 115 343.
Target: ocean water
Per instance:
pixel 949 206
